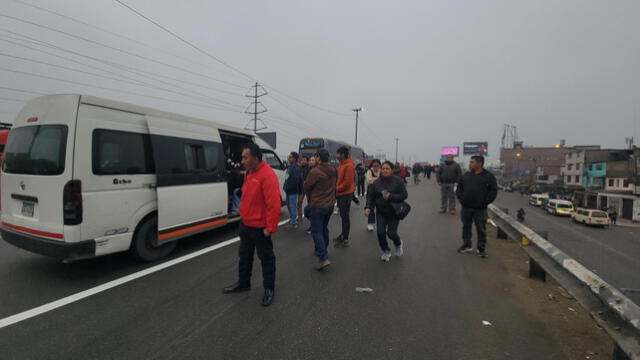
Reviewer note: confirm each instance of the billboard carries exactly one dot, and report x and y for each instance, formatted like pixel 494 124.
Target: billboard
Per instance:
pixel 475 148
pixel 450 150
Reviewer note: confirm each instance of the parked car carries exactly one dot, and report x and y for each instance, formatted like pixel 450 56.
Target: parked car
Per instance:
pixel 536 199
pixel 592 217
pixel 559 207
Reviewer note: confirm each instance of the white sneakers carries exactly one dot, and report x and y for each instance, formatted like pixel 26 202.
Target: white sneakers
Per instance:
pixel 386 256
pixel 399 250
pixel 370 227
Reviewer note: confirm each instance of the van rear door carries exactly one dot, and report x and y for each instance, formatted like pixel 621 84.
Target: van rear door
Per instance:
pixel 189 163
pixel 38 164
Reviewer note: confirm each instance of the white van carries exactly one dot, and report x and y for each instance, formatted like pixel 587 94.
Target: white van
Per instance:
pixel 536 199
pixel 591 217
pixel 559 207
pixel 84 176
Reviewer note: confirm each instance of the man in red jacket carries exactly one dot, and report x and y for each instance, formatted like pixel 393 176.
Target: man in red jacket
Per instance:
pixel 259 212
pixel 345 187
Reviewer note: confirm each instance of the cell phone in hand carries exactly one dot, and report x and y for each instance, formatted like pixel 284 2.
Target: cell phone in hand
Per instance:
pixel 385 192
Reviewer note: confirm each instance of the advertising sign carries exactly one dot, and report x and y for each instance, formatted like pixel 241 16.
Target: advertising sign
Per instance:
pixel 450 150
pixel 475 148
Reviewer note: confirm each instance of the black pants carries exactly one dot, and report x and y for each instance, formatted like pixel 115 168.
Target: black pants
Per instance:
pixel 253 238
pixel 344 205
pixel 360 187
pixel 479 217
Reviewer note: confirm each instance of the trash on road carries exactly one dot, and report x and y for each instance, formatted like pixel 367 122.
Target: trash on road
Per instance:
pixel 364 290
pixel 486 323
pixel 571 309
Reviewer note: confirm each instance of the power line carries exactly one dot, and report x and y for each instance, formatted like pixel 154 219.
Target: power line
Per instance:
pixel 111 89
pixel 220 61
pixel 11 99
pixel 118 49
pixel 105 77
pixel 78 21
pixel 138 72
pixel 185 41
pixel 21 90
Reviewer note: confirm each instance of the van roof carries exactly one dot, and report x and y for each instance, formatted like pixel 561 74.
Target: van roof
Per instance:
pixel 118 105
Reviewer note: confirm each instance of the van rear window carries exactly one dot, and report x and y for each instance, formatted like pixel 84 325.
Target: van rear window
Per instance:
pixel 599 214
pixel 36 150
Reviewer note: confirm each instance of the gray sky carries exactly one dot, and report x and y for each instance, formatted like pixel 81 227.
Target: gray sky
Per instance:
pixel 432 73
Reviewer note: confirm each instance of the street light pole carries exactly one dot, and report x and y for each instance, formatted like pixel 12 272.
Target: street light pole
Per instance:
pixel 357 111
pixel 396 139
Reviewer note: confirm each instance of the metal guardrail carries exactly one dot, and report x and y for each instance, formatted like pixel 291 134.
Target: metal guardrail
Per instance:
pixel 610 308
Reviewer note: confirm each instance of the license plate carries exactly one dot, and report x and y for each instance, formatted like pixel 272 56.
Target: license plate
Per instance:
pixel 27 209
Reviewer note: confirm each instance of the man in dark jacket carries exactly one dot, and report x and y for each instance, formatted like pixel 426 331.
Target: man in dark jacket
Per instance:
pixel 476 190
pixel 320 188
pixel 292 186
pixel 304 171
pixel 447 176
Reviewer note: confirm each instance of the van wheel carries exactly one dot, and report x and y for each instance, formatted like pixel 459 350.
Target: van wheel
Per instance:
pixel 143 242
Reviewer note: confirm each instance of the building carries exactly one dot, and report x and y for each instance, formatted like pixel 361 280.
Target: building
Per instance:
pixel 533 165
pixel 577 172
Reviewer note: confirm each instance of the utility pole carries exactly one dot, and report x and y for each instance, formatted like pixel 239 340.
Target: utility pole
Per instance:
pixel 396 139
pixel 357 111
pixel 258 107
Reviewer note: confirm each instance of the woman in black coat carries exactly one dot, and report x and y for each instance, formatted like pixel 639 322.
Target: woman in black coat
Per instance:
pixel 387 189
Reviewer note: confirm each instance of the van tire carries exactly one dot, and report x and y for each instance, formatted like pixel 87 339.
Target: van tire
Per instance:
pixel 142 246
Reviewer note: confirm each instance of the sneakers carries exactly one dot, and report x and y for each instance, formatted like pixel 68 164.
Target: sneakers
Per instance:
pixel 308 231
pixel 370 227
pixel 442 211
pixel 452 212
pixel 323 265
pixel 386 256
pixel 482 253
pixel 465 249
pixel 343 243
pixel 399 251
pixel 337 240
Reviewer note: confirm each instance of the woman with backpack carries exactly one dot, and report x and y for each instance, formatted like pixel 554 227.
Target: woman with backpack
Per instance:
pixel 372 174
pixel 384 195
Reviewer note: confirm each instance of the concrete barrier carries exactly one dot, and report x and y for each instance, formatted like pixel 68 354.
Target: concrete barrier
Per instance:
pixel 609 307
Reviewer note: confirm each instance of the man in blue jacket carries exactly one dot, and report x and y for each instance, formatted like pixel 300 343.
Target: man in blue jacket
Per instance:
pixel 292 184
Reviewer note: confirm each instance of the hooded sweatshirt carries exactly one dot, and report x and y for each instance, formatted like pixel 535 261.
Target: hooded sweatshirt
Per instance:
pixel 320 186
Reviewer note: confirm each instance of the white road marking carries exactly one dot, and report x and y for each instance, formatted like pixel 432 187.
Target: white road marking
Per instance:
pixel 13 319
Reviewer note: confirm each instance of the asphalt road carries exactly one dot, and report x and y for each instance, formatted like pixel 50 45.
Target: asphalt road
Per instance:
pixel 613 254
pixel 429 304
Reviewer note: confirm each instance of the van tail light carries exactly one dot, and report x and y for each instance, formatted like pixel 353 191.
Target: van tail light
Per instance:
pixel 589 220
pixel 72 202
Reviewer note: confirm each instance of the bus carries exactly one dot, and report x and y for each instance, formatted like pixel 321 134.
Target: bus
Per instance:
pixel 84 177
pixel 309 146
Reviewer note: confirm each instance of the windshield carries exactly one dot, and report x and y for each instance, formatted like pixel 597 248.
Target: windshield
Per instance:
pixel 564 206
pixel 311 143
pixel 36 150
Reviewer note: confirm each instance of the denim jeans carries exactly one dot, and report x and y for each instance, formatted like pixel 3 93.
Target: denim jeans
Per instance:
pixel 479 218
pixel 320 230
pixel 372 218
pixel 387 226
pixel 292 206
pixel 235 201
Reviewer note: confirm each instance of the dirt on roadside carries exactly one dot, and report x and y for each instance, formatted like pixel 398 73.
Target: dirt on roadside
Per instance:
pixel 567 321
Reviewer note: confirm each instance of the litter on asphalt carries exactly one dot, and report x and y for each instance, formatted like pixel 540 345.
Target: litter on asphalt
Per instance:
pixel 364 290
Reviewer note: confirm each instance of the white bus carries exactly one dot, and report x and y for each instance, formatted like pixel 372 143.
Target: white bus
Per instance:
pixel 84 176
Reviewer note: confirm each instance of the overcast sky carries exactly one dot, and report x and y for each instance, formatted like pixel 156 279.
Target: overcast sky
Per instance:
pixel 432 73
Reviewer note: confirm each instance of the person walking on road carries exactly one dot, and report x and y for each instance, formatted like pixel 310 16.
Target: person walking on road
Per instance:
pixel 345 188
pixel 304 171
pixel 447 176
pixel 292 187
pixel 360 179
pixel 417 169
pixel 613 214
pixel 476 190
pixel 387 189
pixel 371 176
pixel 259 215
pixel 320 188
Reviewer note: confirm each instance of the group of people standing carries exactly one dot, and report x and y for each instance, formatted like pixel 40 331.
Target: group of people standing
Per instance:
pixel 324 186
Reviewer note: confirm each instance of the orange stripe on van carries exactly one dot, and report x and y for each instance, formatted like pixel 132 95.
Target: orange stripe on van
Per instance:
pixel 191 229
pixel 33 232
